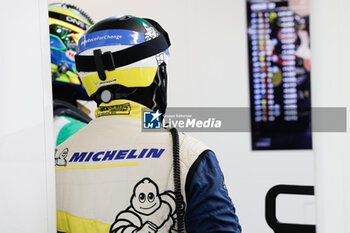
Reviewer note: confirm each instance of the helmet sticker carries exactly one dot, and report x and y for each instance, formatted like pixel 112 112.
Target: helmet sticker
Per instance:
pixel 151 32
pixel 109 37
pixel 70 54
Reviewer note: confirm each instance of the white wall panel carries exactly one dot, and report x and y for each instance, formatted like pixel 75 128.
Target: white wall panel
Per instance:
pixel 27 188
pixel 330 50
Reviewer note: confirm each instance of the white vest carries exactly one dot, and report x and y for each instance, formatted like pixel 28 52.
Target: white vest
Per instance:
pixel 112 176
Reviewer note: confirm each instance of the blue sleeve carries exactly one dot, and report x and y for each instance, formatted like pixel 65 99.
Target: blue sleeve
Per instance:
pixel 209 207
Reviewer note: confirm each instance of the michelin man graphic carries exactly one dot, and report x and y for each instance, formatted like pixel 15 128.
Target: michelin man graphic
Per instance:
pixel 61 159
pixel 149 211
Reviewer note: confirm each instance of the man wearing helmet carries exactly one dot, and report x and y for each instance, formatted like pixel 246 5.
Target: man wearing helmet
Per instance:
pixel 67 24
pixel 115 178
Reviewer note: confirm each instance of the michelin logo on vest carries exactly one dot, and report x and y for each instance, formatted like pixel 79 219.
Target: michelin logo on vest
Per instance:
pixel 109 155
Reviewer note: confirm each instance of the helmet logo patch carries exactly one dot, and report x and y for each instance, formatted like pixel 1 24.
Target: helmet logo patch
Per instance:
pixel 104 82
pixel 77 22
pixel 150 32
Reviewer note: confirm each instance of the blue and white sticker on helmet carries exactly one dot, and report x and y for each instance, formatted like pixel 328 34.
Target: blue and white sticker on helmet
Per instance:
pixel 108 38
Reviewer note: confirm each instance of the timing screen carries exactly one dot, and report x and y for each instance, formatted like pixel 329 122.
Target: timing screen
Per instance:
pixel 279 70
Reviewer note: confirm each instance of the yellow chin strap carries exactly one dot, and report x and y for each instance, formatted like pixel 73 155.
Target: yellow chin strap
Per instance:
pixel 121 107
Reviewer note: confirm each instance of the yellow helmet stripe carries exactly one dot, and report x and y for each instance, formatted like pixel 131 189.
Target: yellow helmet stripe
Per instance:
pixel 66 12
pixel 65 24
pixel 141 77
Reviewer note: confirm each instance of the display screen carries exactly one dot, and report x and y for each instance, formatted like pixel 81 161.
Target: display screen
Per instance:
pixel 279 71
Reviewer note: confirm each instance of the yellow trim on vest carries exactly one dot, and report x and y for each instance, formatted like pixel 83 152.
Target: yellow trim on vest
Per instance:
pixel 65 24
pixel 97 166
pixel 121 108
pixel 141 77
pixel 72 224
pixel 71 14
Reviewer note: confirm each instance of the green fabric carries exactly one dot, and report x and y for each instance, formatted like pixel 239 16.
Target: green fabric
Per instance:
pixel 69 129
